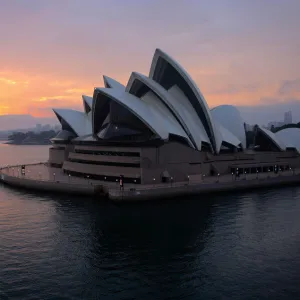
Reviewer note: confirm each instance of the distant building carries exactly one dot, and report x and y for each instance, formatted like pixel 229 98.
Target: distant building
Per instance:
pixel 46 127
pixel 57 127
pixel 275 124
pixel 38 128
pixel 288 119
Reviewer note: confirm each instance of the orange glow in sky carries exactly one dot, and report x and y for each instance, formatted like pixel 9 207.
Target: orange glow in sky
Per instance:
pixel 239 52
pixel 36 95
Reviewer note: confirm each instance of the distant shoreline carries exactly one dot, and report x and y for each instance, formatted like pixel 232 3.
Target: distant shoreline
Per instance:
pixel 31 138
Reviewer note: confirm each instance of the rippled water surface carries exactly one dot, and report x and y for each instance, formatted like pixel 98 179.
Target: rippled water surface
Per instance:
pixel 238 246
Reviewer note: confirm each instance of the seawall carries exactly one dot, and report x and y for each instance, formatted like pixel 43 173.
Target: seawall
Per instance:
pixel 202 188
pixel 40 177
pixel 48 186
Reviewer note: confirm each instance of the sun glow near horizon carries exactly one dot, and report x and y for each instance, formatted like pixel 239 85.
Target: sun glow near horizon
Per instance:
pixel 41 95
pixel 51 64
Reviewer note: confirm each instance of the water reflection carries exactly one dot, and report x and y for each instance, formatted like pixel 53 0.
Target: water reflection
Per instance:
pixel 151 246
pixel 241 246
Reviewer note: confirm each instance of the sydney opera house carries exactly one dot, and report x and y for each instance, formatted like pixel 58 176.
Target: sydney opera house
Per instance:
pixel 158 128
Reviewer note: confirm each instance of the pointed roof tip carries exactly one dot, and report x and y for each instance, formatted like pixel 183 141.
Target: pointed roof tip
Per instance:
pixel 87 103
pixel 105 77
pixel 158 50
pixel 87 98
pixel 56 110
pixel 59 110
pixel 112 83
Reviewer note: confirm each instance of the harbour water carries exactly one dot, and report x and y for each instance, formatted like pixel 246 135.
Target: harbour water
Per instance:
pixel 235 246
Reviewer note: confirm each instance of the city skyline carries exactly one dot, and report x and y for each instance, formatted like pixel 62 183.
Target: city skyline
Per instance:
pixel 243 54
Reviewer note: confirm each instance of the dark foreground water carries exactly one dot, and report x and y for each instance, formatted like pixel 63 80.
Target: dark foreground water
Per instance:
pixel 239 246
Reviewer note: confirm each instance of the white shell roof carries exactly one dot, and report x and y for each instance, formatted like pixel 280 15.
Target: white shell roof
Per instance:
pixel 228 137
pixel 170 123
pixel 192 85
pixel 171 103
pixel 63 135
pixel 90 116
pixel 139 108
pixel 229 117
pixel 280 144
pixel 112 83
pixel 290 136
pixel 166 109
pixel 102 109
pixel 86 138
pixel 77 120
pixel 88 100
pixel 190 116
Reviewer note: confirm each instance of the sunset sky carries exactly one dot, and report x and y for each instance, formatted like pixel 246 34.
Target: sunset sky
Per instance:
pixel 238 51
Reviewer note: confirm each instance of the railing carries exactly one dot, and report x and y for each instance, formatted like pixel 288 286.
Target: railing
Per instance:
pixel 19 166
pixel 208 181
pixel 15 171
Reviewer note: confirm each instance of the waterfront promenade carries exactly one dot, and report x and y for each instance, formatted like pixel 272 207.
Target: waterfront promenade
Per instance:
pixel 44 178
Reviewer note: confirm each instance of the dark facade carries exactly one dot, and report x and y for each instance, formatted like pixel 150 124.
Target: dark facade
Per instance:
pixel 161 163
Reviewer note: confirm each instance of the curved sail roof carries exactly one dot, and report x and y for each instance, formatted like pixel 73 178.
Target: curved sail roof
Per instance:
pixel 140 84
pixel 290 136
pixel 112 83
pixel 230 118
pixel 64 135
pixel 228 137
pixel 101 108
pixel 190 116
pixel 169 121
pixel 86 138
pixel 167 72
pixel 169 105
pixel 87 103
pixel 75 120
pixel 275 139
pixel 143 111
